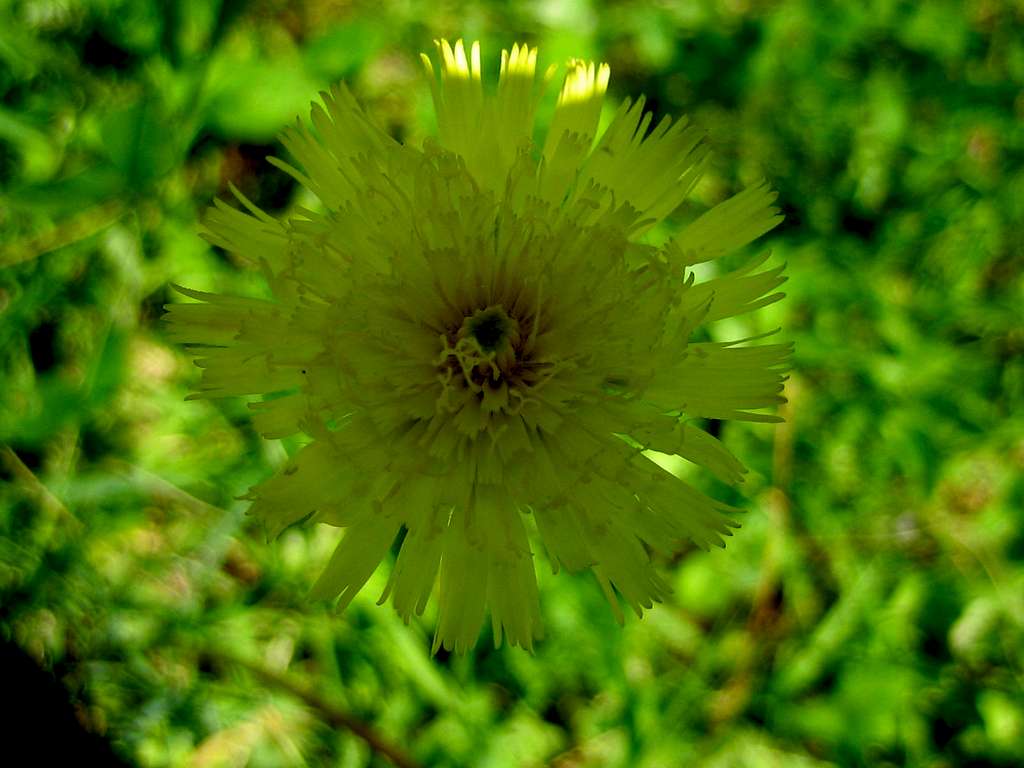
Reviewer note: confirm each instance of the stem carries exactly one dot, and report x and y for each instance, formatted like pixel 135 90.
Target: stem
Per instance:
pixel 330 711
pixel 71 230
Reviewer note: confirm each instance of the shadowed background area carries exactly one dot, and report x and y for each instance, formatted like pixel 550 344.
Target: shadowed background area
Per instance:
pixel 870 610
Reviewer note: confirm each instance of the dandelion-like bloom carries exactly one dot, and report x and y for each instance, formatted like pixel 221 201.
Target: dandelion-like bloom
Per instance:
pixel 474 334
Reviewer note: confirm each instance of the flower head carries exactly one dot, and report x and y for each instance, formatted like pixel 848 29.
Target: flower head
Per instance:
pixel 474 335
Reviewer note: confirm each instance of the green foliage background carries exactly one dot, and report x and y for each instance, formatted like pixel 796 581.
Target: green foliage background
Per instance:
pixel 870 611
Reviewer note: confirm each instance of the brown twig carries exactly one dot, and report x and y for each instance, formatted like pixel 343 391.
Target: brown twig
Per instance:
pixel 162 490
pixel 330 711
pixel 764 617
pixel 72 230
pixel 52 508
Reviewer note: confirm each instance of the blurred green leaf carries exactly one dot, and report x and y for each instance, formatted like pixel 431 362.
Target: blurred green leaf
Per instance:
pixel 253 100
pixel 143 142
pixel 341 51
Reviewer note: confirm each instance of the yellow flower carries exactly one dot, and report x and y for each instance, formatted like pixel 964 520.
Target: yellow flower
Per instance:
pixel 474 335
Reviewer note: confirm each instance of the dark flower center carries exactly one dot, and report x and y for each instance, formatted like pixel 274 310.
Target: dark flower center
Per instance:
pixel 489 357
pixel 490 328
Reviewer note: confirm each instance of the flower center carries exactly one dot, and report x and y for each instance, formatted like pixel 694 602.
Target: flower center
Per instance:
pixel 486 361
pixel 486 346
pixel 492 328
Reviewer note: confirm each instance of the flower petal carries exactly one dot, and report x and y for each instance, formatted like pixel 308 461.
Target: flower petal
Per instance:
pixel 354 560
pixel 729 225
pixel 653 171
